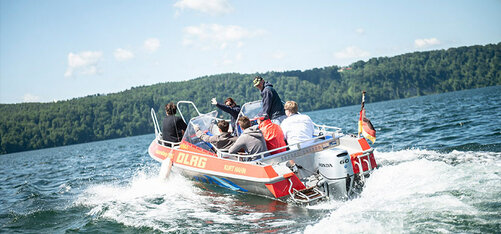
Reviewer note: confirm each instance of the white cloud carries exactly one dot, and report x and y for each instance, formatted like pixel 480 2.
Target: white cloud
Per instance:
pixel 212 7
pixel 360 31
pixel 278 55
pixel 427 42
pixel 152 44
pixel 230 61
pixel 84 63
pixel 210 36
pixel 123 54
pixel 351 52
pixel 227 62
pixel 238 56
pixel 30 98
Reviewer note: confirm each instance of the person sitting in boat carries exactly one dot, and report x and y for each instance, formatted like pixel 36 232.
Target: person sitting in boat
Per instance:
pixel 230 107
pixel 272 134
pixel 222 141
pixel 251 141
pixel 296 127
pixel 173 126
pixel 272 104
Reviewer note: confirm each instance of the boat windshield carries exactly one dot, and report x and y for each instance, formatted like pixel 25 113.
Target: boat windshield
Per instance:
pixel 251 109
pixel 207 123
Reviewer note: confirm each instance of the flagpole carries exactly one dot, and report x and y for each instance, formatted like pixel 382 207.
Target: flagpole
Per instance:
pixel 364 124
pixel 361 109
pixel 363 100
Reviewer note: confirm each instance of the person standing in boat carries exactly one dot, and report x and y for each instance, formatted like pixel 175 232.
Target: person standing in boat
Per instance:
pixel 222 141
pixel 272 104
pixel 173 126
pixel 230 107
pixel 296 127
pixel 251 140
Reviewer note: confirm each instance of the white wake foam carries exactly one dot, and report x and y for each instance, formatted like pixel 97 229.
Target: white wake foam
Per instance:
pixel 413 191
pixel 148 201
pixel 171 205
pixel 418 191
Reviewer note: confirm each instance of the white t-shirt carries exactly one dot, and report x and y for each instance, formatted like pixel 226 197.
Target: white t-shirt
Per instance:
pixel 297 128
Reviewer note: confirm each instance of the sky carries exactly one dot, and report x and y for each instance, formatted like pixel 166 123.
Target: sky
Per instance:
pixel 54 50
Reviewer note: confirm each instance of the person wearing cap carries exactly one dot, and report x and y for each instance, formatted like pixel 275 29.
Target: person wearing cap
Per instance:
pixel 272 104
pixel 296 127
pixel 230 107
pixel 251 140
pixel 272 134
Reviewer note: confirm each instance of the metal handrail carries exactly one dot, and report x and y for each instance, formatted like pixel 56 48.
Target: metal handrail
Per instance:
pixel 187 102
pixel 323 128
pixel 359 161
pixel 258 156
pixel 164 142
pixel 155 122
pixel 366 152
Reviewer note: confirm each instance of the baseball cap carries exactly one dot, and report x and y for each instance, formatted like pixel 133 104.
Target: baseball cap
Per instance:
pixel 257 80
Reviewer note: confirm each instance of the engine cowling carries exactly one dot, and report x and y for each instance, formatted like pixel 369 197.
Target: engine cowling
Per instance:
pixel 334 165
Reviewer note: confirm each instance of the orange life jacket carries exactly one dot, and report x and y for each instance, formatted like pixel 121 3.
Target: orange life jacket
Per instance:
pixel 273 136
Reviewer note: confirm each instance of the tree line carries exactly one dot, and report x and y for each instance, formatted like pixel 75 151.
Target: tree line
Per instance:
pixel 28 126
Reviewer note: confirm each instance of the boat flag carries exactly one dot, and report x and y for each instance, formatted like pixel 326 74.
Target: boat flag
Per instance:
pixel 364 124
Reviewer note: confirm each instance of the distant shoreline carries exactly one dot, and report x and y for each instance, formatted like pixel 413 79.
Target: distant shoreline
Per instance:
pixel 30 126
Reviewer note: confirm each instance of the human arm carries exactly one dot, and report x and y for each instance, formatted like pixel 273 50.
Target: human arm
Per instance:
pixel 230 110
pixel 198 132
pixel 285 129
pixel 181 124
pixel 310 126
pixel 164 130
pixel 267 98
pixel 239 143
pixel 205 137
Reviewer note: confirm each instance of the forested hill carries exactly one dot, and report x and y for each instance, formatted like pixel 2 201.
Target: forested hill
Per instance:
pixel 30 126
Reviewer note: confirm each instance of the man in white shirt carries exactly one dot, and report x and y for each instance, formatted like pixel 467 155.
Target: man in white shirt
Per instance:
pixel 296 127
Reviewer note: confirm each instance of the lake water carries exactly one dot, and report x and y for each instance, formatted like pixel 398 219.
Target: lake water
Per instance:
pixel 440 171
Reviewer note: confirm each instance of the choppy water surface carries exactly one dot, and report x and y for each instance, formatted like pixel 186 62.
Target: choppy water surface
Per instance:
pixel 440 159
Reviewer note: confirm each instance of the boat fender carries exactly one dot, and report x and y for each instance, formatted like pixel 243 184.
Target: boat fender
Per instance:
pixel 165 168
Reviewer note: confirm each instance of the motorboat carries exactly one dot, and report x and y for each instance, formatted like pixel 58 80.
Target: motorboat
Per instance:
pixel 331 165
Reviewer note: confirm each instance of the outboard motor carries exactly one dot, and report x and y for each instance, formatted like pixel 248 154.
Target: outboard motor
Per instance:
pixel 334 165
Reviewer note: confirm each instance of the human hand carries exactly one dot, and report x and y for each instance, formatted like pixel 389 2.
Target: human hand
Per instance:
pixel 213 100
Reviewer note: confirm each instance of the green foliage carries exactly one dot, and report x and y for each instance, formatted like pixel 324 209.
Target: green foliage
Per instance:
pixel 28 126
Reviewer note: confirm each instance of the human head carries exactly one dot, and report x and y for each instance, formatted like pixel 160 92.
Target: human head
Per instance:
pixel 290 108
pixel 244 122
pixel 223 125
pixel 258 82
pixel 262 118
pixel 230 102
pixel 170 109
